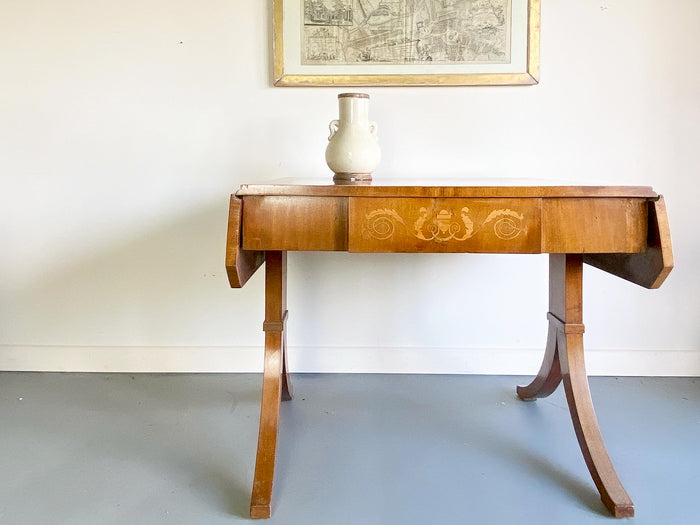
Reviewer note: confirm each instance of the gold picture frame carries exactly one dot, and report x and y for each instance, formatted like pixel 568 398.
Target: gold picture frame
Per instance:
pixel 289 69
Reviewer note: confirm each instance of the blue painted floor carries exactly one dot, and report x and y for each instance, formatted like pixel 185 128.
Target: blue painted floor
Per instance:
pixel 353 449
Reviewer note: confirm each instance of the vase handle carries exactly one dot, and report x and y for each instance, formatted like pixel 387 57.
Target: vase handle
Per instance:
pixel 373 129
pixel 333 128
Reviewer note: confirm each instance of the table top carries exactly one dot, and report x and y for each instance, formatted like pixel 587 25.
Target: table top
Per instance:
pixel 622 230
pixel 457 187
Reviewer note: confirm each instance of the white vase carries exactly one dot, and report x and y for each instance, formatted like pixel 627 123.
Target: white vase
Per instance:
pixel 353 150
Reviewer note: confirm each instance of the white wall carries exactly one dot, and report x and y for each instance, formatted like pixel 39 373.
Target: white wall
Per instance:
pixel 124 126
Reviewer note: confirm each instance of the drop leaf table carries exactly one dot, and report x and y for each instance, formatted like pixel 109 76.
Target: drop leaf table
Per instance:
pixel 622 230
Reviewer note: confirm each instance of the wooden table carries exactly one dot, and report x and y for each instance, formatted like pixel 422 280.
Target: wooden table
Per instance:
pixel 622 230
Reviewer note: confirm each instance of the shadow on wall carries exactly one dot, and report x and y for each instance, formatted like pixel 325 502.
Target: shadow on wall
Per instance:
pixel 168 286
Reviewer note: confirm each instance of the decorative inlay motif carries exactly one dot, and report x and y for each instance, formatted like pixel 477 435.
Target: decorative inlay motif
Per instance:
pixel 507 224
pixel 443 226
pixel 380 224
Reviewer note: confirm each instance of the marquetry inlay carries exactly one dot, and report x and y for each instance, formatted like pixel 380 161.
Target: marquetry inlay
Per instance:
pixel 442 225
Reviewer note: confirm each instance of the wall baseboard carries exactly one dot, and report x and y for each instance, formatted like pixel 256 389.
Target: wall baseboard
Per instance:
pixel 394 360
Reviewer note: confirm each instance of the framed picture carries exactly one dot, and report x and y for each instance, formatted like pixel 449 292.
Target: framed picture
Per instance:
pixel 406 42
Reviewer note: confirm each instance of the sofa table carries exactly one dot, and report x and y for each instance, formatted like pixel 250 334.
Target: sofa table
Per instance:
pixel 622 230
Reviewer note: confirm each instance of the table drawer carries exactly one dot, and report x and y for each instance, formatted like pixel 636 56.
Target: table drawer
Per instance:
pixel 444 225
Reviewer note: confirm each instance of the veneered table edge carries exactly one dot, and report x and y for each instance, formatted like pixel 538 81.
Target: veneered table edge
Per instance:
pixel 553 191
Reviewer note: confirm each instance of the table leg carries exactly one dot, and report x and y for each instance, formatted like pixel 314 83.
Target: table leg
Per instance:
pixel 276 384
pixel 564 360
pixel 549 376
pixel 287 392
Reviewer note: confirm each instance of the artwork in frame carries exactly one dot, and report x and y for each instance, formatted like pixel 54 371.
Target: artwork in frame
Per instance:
pixel 406 42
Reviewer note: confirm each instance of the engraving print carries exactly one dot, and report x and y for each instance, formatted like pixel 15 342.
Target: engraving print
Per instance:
pixel 443 226
pixel 344 32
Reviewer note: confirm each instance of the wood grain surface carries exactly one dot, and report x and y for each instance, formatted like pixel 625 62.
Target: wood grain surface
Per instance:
pixel 457 187
pixel 240 263
pixel 295 223
pixel 649 268
pixel 585 225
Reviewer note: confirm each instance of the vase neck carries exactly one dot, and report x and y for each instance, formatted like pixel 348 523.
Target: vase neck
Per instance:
pixel 353 109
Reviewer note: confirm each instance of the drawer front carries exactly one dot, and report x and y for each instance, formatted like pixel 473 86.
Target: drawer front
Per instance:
pixel 444 225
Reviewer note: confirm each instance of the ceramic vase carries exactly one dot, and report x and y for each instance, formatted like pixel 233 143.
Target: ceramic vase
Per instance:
pixel 353 150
